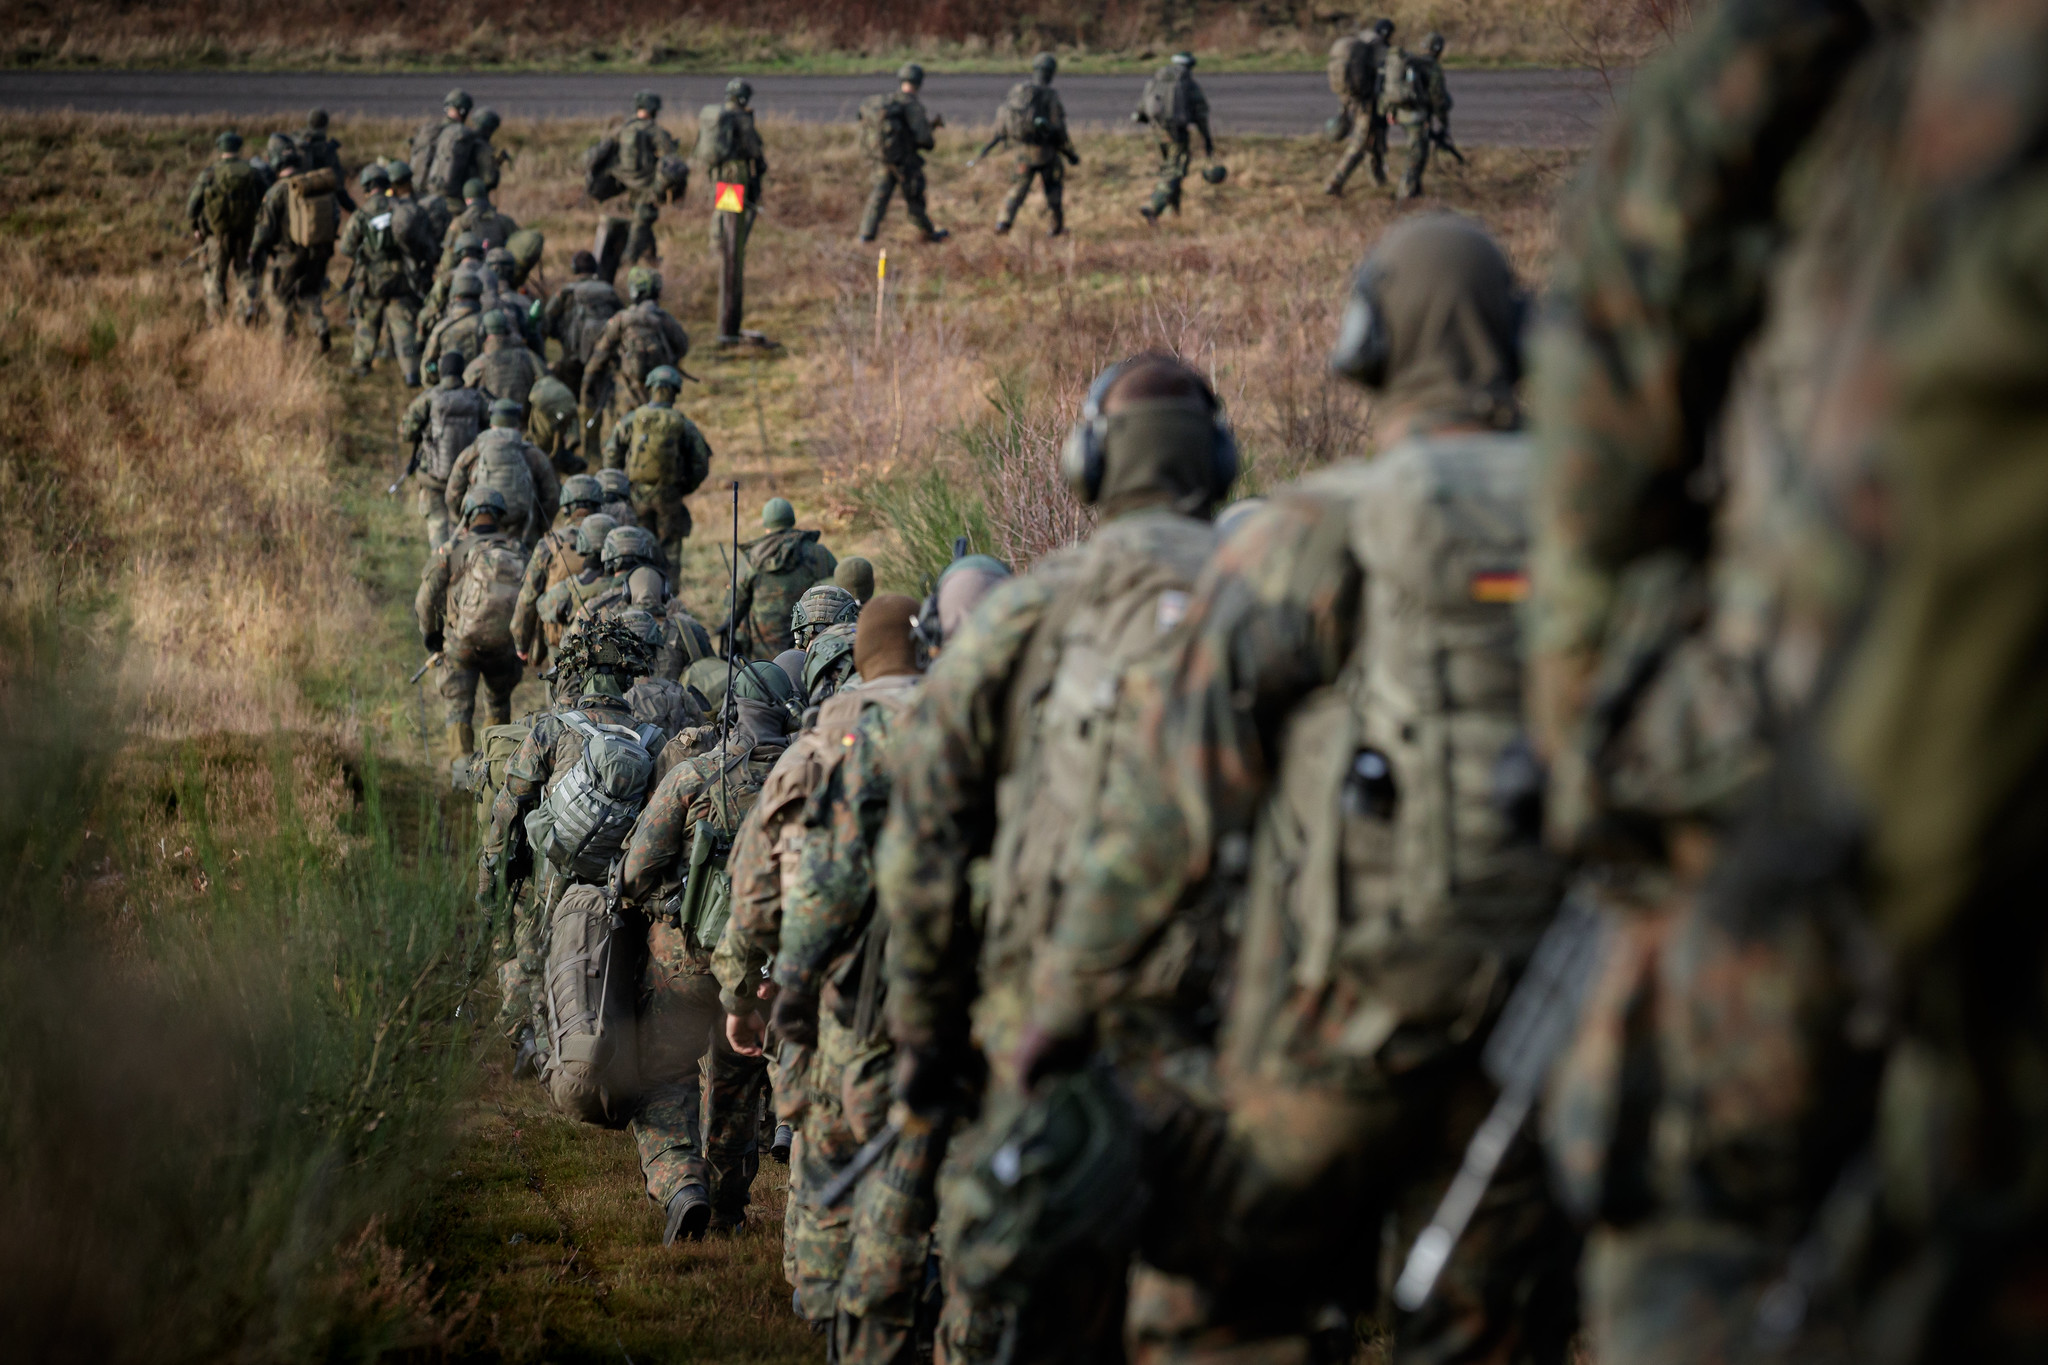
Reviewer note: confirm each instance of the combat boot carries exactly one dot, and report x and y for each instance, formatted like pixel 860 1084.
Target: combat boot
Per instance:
pixel 1059 224
pixel 1147 212
pixel 689 1213
pixel 1002 227
pixel 936 235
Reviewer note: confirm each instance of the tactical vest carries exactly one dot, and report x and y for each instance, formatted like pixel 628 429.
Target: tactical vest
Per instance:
pixel 1400 86
pixel 731 778
pixel 480 604
pixel 455 417
pixel 783 573
pixel 1397 868
pixel 643 345
pixel 501 464
pixel 1165 102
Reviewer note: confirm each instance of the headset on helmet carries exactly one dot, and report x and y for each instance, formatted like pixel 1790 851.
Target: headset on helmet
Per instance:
pixel 1363 347
pixel 1083 456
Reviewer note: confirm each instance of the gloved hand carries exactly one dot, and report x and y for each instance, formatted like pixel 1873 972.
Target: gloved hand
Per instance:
pixel 795 1017
pixel 1073 158
pixel 432 641
pixel 927 1080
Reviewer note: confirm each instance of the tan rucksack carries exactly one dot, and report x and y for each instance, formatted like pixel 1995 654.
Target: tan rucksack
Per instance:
pixel 313 216
pixel 480 605
pixel 593 990
pixel 501 464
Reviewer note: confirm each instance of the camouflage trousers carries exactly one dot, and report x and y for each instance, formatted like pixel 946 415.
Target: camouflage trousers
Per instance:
pixel 298 287
pixel 818 1239
pixel 640 243
pixel 1419 145
pixel 662 510
pixel 1052 177
pixel 729 234
pixel 908 177
pixel 884 1292
pixel 401 316
pixel 1175 157
pixel 431 502
pixel 1368 139
pixel 461 671
pixel 700 1101
pixel 221 262
pixel 522 951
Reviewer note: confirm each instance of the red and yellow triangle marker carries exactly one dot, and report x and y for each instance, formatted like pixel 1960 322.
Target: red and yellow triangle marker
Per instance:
pixel 728 198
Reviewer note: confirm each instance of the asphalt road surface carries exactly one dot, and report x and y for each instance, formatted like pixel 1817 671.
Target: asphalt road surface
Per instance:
pixel 1500 108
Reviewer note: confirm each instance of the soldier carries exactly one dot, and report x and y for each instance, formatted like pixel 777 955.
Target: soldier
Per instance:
pixel 458 155
pixel 1173 104
pixel 1413 93
pixel 857 576
pixel 504 459
pixel 698 1172
pixel 894 131
pixel 439 425
pixel 555 423
pixel 461 331
pixel 222 210
pixel 1281 767
pixel 506 369
pixel 827 973
pixel 387 242
pixel 464 608
pixel 1033 117
pixel 576 315
pixel 480 219
pixel 645 158
pixel 1018 704
pixel 580 567
pixel 822 627
pixel 490 161
pixel 637 340
pixel 776 570
pixel 555 558
pixel 426 144
pixel 297 222
pixel 423 231
pixel 317 152
pixel 467 259
pixel 1356 63
pixel 731 150
pixel 665 456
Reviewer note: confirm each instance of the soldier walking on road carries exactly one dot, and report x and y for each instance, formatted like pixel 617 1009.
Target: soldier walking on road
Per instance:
pixel 730 148
pixel 222 211
pixel 1033 117
pixel 1356 63
pixel 895 133
pixel 1175 107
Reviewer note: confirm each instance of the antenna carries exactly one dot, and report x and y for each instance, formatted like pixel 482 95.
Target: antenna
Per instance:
pixel 732 644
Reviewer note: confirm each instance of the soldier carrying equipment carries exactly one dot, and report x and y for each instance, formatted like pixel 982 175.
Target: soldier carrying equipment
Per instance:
pixel 1355 67
pixel 895 133
pixel 1033 117
pixel 1176 108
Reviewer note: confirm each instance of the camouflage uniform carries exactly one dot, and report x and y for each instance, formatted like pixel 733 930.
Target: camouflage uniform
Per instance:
pixel 1176 145
pixel 547 489
pixel 905 173
pixel 828 663
pixel 461 664
pixel 415 428
pixel 681 1016
pixel 556 556
pixel 636 340
pixel 641 175
pixel 390 262
pixel 680 464
pixel 554 422
pixel 1042 162
pixel 300 282
pixel 1807 796
pixel 481 219
pixel 1423 110
pixel 506 369
pixel 575 317
pixel 225 255
pixel 320 152
pixel 775 571
pixel 1368 125
pixel 740 160
pixel 462 330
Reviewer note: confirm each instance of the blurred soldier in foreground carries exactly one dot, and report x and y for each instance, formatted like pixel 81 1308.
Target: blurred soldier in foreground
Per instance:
pixel 999 760
pixel 1176 108
pixel 222 210
pixel 1034 118
pixel 1356 64
pixel 1786 625
pixel 895 132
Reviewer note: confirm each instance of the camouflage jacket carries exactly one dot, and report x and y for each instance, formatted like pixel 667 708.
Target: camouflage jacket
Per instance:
pixel 444 568
pixel 506 369
pixel 461 331
pixel 634 172
pixel 967 778
pixel 576 315
pixel 643 332
pixel 683 474
pixel 547 487
pixel 775 571
pixel 491 227
pixel 555 558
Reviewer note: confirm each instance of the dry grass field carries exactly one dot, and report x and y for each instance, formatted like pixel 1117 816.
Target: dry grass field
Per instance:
pixel 242 1098
pixel 858 35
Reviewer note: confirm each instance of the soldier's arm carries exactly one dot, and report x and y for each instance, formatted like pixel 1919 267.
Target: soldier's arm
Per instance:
pixel 1198 115
pixel 547 485
pixel 615 444
pixel 823 561
pixel 412 427
pixel 525 776
pixel 473 372
pixel 661 835
pixel 602 357
pixel 673 332
pixel 1653 293
pixel 429 603
pixel 526 611
pixel 195 202
pixel 1271 620
pixel 946 756
pixel 458 480
pixel 696 461
pixel 268 226
pixel 754 929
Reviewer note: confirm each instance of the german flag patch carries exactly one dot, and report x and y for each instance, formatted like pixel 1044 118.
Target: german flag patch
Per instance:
pixel 1500 586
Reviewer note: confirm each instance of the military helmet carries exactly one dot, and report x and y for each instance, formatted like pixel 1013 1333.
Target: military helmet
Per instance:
pixel 465 285
pixel 451 364
pixel 495 324
pixel 590 534
pixel 483 498
pixel 648 101
pixel 857 576
pixel 629 545
pixel 739 92
pixel 230 141
pixel 706 678
pixel 583 263
pixel 910 73
pixel 604 646
pixel 823 604
pixel 777 514
pixel 615 484
pixel 399 171
pixel 507 412
pixel 665 377
pixel 469 244
pixel 474 189
pixel 1045 66
pixel 1216 174
pixel 373 175
pixel 581 490
pixel 760 681
pixel 317 120
pixel 286 160
pixel 501 261
pixel 459 101
pixel 1383 29
pixel 1184 59
pixel 641 622
pixel 1435 44
pixel 487 121
pixel 642 283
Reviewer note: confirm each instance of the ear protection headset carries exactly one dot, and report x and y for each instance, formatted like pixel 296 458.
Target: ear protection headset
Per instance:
pixel 1364 349
pixel 1083 456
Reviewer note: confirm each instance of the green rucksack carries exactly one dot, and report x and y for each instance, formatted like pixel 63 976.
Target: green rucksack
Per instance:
pixel 480 605
pixel 1029 116
pixel 1399 89
pixel 581 824
pixel 656 454
pixel 233 195
pixel 884 130
pixel 1165 103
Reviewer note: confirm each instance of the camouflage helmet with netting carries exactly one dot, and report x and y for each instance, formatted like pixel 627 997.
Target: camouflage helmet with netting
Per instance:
pixel 590 534
pixel 642 283
pixel 483 498
pixel 604 646
pixel 823 604
pixel 582 490
pixel 629 545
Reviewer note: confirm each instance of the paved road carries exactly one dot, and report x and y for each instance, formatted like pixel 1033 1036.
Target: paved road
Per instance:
pixel 1500 108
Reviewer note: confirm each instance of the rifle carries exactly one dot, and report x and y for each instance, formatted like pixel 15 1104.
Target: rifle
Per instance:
pixel 421 671
pixel 998 140
pixel 1535 1026
pixel 1442 138
pixel 864 1160
pixel 411 467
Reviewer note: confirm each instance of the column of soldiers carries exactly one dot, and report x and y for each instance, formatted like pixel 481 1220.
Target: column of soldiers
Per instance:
pixel 1563 884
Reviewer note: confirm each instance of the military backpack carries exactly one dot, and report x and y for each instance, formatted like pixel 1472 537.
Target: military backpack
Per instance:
pixel 501 464
pixel 313 215
pixel 1354 68
pixel 455 416
pixel 592 304
pixel 643 344
pixel 600 165
pixel 233 196
pixel 658 449
pixel 1400 86
pixel 722 136
pixel 526 245
pixel 480 604
pixel 1165 103
pixel 1030 117
pixel 885 133
pixel 593 990
pixel 639 152
pixel 582 822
